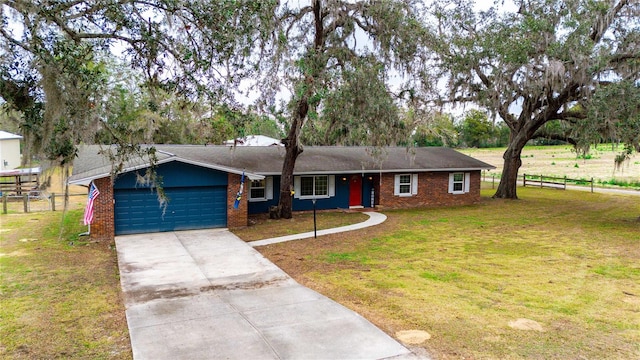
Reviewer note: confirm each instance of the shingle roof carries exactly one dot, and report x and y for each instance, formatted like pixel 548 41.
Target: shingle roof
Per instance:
pixel 259 161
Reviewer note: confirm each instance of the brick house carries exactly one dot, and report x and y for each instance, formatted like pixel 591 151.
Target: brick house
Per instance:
pixel 201 183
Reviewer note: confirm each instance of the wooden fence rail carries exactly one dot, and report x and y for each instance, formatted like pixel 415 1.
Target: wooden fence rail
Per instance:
pixel 46 201
pixel 552 181
pixel 543 181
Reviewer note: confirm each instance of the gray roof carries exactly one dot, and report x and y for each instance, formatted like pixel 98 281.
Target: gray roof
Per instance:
pixel 258 161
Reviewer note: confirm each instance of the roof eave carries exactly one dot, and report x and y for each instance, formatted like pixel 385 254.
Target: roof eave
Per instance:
pixel 88 179
pixel 250 175
pixel 271 173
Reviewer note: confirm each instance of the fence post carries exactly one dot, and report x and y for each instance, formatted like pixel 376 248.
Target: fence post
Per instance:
pixel 565 182
pixel 4 203
pixel 53 201
pixel 591 184
pixel 25 201
pixel 493 181
pixel 524 180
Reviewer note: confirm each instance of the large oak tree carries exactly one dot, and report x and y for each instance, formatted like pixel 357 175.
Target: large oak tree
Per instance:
pixel 534 64
pixel 336 58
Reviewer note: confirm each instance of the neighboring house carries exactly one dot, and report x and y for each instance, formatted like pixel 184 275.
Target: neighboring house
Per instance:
pixel 254 140
pixel 201 183
pixel 9 150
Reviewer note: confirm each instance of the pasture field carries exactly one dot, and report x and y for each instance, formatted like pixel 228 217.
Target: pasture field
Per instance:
pixel 561 160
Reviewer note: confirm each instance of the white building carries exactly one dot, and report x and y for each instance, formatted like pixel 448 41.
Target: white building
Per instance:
pixel 9 150
pixel 254 140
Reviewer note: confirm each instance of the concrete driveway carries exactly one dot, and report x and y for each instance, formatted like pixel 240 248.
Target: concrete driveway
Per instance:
pixel 207 294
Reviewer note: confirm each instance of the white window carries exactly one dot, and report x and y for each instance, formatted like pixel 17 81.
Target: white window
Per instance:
pixel 314 186
pixel 406 185
pixel 459 183
pixel 261 190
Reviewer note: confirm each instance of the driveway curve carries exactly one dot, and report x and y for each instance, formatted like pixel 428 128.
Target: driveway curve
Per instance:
pixel 207 294
pixel 375 218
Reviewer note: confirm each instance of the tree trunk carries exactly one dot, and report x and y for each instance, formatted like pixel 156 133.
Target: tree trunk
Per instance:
pixel 293 149
pixel 292 141
pixel 286 182
pixel 512 163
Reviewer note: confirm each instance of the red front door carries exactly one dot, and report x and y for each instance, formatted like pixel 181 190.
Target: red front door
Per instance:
pixel 355 190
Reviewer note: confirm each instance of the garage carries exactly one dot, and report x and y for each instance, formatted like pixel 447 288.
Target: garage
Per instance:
pixel 139 211
pixel 196 199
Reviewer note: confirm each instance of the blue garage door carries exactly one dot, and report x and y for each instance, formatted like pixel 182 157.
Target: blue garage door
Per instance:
pixel 138 210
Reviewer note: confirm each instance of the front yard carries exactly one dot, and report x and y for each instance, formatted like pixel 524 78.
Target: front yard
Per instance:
pixel 60 296
pixel 566 261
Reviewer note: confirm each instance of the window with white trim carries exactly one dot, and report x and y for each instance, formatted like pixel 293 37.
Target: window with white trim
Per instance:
pixel 406 185
pixel 261 190
pixel 459 183
pixel 257 191
pixel 314 186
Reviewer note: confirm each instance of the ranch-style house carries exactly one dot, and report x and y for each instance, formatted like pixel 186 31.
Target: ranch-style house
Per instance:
pixel 201 183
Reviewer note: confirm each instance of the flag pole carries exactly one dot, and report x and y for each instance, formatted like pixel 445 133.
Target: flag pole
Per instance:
pixel 87 233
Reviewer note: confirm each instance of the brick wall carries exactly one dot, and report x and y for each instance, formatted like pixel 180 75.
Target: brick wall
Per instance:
pixel 433 190
pixel 102 228
pixel 237 217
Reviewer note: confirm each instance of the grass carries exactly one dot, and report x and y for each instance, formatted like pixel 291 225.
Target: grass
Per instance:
pixel 60 294
pixel 567 260
pixel 263 228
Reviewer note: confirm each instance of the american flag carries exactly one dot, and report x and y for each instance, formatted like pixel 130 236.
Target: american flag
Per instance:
pixel 236 204
pixel 88 211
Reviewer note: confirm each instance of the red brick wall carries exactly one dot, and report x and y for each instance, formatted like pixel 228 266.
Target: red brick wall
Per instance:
pixel 433 190
pixel 237 217
pixel 103 226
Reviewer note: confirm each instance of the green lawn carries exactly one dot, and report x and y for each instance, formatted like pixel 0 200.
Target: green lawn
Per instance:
pixel 59 295
pixel 568 260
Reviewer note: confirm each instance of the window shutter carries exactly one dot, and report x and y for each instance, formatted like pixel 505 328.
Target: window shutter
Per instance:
pixel 414 184
pixel 268 185
pixel 332 185
pixel 396 185
pixel 467 180
pixel 450 183
pixel 296 187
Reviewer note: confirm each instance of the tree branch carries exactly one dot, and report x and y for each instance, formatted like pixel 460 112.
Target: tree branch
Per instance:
pixel 603 22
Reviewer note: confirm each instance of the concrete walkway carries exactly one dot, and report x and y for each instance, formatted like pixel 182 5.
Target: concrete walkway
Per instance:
pixel 374 219
pixel 207 294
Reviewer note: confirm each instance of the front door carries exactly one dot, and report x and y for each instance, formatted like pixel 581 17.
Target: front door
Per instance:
pixel 355 190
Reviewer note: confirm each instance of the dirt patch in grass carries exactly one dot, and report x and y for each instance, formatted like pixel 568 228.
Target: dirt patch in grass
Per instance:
pixel 60 294
pixel 566 260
